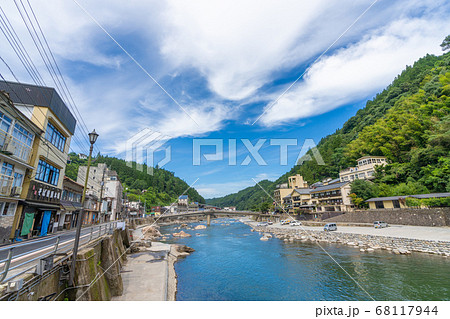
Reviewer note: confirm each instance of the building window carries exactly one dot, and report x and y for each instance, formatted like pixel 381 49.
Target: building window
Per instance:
pixel 7 208
pixel 22 135
pixel 396 203
pixel 18 179
pixel 47 173
pixel 55 137
pixel 5 122
pixel 379 205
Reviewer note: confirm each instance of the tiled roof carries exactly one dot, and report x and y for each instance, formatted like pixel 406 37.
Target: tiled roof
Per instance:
pixel 432 195
pixel 40 96
pixel 328 187
pixel 303 191
pixel 183 197
pixel 380 199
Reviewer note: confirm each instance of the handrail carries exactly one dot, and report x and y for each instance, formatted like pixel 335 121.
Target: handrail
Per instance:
pixel 57 246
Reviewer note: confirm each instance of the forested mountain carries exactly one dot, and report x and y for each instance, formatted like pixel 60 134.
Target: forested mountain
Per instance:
pixel 408 122
pixel 161 188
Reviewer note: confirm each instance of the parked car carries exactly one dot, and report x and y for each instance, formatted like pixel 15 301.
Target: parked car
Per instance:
pixel 330 227
pixel 380 224
pixel 270 223
pixel 262 224
pixel 285 222
pixel 296 223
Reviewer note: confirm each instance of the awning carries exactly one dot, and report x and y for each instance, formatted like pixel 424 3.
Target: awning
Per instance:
pixel 41 205
pixel 66 205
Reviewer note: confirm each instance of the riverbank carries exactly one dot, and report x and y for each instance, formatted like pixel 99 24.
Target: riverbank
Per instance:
pixel 397 239
pixel 155 261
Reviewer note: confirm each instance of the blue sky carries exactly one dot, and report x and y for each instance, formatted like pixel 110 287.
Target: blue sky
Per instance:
pixel 224 64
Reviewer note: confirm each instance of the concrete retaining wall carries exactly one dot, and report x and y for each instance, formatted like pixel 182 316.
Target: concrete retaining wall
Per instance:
pixel 415 217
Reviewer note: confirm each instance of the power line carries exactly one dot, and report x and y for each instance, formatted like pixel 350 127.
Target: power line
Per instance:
pixel 59 71
pixel 47 61
pixel 24 56
pixel 40 137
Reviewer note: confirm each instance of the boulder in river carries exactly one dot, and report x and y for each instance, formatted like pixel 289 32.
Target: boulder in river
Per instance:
pixel 151 232
pixel 181 234
pixel 200 227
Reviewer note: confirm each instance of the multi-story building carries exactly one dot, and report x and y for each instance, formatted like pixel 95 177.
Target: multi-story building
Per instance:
pixel 183 203
pixel 43 183
pixel 112 195
pixel 70 204
pixel 332 197
pixel 283 190
pixel 301 200
pixel 17 136
pixel 365 168
pixel 96 176
pixel 104 184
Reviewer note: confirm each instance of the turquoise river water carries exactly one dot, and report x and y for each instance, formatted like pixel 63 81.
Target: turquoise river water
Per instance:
pixel 231 263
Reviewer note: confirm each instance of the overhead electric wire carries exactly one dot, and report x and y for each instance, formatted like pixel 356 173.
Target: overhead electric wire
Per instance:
pixel 48 63
pixel 59 71
pixel 24 56
pixel 43 139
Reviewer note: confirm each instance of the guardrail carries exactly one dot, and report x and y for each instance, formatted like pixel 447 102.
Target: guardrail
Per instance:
pixel 12 264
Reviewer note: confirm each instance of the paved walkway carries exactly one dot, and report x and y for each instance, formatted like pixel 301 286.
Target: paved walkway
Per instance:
pixel 401 231
pixel 145 273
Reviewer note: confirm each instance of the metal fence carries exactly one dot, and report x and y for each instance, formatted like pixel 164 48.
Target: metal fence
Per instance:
pixel 20 260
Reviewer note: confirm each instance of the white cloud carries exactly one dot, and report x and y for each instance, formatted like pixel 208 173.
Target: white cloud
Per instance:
pixel 238 46
pixel 359 70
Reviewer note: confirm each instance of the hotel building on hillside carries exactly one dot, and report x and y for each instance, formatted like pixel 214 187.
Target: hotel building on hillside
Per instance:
pixel 365 168
pixel 283 190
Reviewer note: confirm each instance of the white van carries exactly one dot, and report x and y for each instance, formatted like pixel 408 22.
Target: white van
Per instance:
pixel 330 227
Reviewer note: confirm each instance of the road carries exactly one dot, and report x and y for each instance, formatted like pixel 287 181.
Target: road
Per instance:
pixel 401 231
pixel 25 251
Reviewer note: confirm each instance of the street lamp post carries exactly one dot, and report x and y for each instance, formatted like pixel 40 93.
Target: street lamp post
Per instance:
pixel 92 138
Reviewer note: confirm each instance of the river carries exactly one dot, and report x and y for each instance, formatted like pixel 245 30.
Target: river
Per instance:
pixel 231 263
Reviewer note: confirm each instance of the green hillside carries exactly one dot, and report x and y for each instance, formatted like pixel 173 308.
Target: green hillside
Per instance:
pixel 162 188
pixel 408 122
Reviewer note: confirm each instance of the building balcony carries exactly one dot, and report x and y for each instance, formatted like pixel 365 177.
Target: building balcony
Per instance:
pixel 41 192
pixel 10 145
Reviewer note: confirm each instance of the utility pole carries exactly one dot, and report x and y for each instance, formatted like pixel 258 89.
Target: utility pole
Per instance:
pixel 101 189
pixel 92 138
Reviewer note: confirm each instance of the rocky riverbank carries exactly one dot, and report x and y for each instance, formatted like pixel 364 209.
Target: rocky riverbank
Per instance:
pixel 365 243
pixel 149 273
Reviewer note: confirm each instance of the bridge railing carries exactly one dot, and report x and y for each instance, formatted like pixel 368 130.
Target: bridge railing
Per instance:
pixel 18 264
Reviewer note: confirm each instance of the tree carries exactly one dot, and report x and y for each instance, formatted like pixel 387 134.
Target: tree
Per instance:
pixel 364 189
pixel 445 45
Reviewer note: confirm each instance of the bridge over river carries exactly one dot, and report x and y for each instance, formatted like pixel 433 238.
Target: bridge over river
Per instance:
pixel 215 213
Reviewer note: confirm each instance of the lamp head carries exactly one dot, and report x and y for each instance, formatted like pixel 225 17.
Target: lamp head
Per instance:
pixel 93 137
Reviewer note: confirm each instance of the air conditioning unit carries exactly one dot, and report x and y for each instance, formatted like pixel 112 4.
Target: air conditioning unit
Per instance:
pixel 16 191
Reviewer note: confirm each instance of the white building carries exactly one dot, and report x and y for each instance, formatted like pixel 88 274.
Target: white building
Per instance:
pixel 365 168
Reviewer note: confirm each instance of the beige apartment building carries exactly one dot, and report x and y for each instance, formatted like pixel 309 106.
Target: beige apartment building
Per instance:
pixel 283 190
pixel 365 168
pixel 332 197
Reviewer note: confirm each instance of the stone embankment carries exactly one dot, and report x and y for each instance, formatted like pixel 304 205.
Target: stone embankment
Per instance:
pixel 366 243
